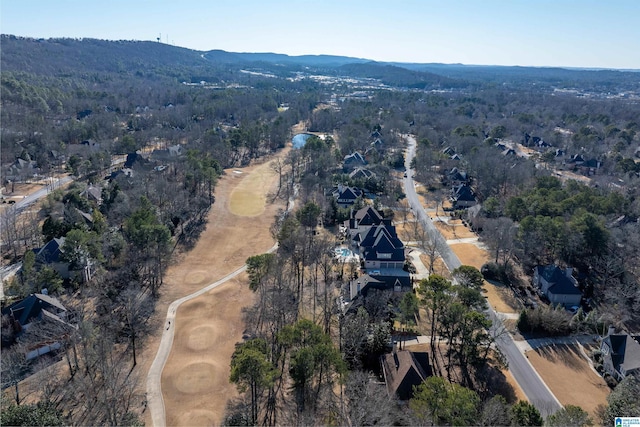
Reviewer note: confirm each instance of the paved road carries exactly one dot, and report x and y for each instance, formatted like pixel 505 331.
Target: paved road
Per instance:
pixel 450 259
pixel 33 197
pixel 8 271
pixel 530 382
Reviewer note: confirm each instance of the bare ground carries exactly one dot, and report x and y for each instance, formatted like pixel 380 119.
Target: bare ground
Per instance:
pixel 569 376
pixel 454 229
pixel 470 254
pixel 501 298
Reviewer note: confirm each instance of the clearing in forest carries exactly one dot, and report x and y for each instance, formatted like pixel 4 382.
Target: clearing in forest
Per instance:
pixel 195 379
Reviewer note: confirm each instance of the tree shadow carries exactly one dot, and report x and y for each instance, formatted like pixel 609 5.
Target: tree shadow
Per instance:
pixel 567 354
pixel 491 381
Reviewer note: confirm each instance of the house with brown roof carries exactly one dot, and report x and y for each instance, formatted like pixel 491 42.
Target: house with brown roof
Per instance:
pixel 92 193
pixel 403 370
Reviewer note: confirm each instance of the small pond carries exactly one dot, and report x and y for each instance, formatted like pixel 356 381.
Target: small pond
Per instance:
pixel 300 139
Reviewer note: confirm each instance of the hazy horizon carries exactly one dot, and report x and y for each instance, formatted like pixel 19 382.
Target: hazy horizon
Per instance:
pixel 586 34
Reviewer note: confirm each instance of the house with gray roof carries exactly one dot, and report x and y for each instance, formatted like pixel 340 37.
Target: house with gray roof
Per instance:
pixel 361 173
pixel 36 311
pixel 346 196
pixel 360 222
pixel 462 196
pixel 558 285
pixel 50 255
pixel 353 161
pixel 621 354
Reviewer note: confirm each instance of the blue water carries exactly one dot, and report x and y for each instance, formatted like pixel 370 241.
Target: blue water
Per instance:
pixel 343 252
pixel 300 139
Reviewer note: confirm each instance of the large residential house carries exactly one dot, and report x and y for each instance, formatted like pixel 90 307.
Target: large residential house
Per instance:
pixel 170 152
pixel 50 255
pixel 462 196
pixel 346 196
pixel 353 161
pixel 363 284
pixel 92 193
pixel 621 354
pixel 361 221
pixel 381 251
pixel 361 173
pixel 38 311
pixel 457 177
pixel 559 286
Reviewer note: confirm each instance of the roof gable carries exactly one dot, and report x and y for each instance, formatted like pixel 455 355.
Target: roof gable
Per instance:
pixel 33 306
pixel 625 352
pixel 354 157
pixel 560 284
pixel 368 216
pixel 347 193
pixel 403 371
pixel 50 253
pixel 374 233
pixel 361 173
pixel 463 193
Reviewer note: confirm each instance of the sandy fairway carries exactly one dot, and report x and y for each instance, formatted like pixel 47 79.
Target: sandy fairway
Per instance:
pixel 195 380
pixel 195 384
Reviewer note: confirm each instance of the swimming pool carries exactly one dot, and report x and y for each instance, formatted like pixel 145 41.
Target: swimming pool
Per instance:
pixel 344 253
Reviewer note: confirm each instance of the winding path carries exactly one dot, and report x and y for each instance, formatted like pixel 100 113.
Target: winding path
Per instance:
pixel 155 401
pixel 155 398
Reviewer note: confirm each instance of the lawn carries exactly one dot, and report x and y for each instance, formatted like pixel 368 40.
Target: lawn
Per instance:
pixel 569 376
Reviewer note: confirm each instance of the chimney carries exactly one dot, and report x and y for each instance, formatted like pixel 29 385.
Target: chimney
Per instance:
pixel 395 355
pixel 612 330
pixel 568 272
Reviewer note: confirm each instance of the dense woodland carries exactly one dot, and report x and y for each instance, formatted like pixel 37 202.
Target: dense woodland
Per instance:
pixel 78 105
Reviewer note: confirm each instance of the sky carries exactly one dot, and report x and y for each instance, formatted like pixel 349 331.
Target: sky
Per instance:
pixel 565 33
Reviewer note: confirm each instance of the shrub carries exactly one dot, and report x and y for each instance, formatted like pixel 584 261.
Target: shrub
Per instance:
pixel 545 321
pixel 490 271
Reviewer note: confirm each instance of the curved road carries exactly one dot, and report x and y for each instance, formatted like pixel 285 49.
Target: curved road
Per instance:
pixel 526 376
